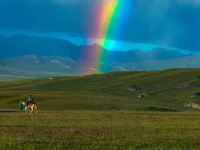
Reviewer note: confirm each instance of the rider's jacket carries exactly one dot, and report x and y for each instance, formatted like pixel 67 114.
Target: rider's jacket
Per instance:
pixel 30 99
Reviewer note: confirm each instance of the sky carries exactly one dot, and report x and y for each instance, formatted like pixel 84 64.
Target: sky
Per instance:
pixel 138 23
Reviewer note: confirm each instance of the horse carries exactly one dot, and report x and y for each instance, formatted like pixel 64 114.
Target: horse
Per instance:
pixel 32 106
pixel 192 105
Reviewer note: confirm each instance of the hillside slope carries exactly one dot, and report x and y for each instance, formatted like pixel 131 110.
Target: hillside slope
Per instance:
pixel 159 90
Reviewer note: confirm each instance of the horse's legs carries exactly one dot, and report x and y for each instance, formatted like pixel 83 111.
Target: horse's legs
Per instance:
pixel 36 109
pixel 31 109
pixel 25 110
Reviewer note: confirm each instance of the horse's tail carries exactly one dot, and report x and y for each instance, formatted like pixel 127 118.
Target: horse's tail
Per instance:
pixel 36 108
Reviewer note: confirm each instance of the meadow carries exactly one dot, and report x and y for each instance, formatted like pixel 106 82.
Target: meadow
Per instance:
pixel 102 130
pixel 165 90
pixel 103 112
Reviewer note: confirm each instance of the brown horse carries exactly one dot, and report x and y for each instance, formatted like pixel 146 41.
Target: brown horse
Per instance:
pixel 32 106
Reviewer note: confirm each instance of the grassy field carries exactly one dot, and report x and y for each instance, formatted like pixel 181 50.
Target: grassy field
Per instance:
pixel 102 130
pixel 164 90
pixel 103 112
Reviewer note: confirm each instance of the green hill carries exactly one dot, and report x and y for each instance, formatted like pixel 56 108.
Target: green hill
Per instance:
pixel 154 90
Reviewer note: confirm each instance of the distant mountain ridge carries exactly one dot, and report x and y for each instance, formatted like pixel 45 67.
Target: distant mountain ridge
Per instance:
pixel 29 55
pixel 20 45
pixel 32 65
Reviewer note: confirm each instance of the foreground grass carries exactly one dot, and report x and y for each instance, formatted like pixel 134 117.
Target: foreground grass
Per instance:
pixel 100 130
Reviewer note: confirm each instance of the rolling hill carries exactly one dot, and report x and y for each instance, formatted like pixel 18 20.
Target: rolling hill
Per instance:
pixel 153 90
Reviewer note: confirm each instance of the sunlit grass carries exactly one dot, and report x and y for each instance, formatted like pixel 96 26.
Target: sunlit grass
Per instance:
pixel 100 130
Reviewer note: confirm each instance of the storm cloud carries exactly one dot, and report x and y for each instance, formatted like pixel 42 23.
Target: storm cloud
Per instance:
pixel 166 22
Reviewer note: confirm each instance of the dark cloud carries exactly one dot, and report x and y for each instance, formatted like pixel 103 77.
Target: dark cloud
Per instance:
pixel 169 22
pixel 44 15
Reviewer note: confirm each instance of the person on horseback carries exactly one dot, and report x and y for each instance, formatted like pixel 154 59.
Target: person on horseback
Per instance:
pixel 29 104
pixel 29 100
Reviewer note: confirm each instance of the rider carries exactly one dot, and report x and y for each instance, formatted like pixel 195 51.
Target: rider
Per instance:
pixel 30 99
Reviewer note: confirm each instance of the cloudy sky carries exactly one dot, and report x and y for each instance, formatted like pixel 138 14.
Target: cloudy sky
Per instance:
pixel 173 23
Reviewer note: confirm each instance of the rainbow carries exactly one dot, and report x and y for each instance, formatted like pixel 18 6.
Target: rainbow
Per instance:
pixel 109 13
pixel 108 16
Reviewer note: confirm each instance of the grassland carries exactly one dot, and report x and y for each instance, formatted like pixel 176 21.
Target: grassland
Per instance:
pixel 102 130
pixel 103 112
pixel 165 90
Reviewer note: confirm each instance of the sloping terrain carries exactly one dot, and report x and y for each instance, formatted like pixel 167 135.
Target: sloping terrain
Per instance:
pixel 43 66
pixel 154 90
